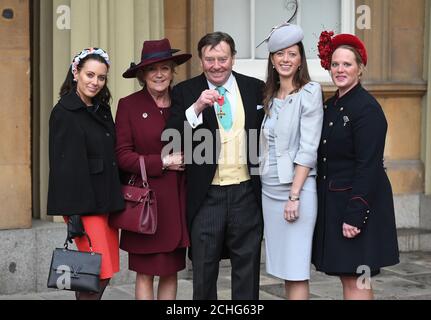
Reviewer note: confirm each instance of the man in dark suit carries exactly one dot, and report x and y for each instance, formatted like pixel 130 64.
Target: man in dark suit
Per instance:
pixel 223 111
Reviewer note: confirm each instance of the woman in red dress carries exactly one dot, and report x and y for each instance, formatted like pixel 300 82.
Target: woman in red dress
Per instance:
pixel 140 121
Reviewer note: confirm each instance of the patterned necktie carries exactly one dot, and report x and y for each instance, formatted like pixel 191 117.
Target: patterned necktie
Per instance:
pixel 224 112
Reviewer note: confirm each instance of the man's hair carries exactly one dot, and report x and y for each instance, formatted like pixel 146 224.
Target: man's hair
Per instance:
pixel 213 39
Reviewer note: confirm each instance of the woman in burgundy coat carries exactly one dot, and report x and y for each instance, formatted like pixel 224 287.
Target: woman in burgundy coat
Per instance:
pixel 140 121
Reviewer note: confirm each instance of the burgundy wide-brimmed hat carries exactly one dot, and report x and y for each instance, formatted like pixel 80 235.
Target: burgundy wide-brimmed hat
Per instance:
pixel 156 51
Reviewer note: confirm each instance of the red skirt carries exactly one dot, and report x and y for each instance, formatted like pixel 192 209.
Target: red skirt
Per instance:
pixel 105 241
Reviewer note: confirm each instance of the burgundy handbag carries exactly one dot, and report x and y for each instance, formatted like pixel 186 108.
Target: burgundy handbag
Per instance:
pixel 140 212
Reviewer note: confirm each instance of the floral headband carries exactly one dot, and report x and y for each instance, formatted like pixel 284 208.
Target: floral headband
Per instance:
pixel 327 45
pixel 86 52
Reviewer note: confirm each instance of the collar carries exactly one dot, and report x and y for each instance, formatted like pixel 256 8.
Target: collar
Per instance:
pixel 73 102
pixel 348 95
pixel 228 85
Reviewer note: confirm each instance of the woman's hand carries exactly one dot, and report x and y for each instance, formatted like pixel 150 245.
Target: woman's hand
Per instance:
pixel 174 162
pixel 349 231
pixel 291 211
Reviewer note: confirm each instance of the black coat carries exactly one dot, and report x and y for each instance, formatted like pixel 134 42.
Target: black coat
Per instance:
pixel 353 187
pixel 200 176
pixel 84 176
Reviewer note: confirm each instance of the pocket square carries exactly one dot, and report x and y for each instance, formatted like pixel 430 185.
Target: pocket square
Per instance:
pixel 259 106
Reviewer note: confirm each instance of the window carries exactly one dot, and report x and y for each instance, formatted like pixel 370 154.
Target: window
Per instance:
pixel 250 21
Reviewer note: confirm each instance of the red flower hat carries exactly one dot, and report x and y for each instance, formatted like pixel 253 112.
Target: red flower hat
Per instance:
pixel 328 44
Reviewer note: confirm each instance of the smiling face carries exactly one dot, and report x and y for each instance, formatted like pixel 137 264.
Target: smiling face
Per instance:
pixel 91 78
pixel 287 61
pixel 158 76
pixel 345 70
pixel 217 63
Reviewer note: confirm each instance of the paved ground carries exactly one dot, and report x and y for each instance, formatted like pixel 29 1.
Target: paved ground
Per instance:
pixel 409 280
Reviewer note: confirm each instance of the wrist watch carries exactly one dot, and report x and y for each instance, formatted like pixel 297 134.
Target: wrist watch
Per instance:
pixel 293 198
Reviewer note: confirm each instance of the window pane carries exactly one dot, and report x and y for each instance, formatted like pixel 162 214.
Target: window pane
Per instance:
pixel 269 13
pixel 313 21
pixel 233 17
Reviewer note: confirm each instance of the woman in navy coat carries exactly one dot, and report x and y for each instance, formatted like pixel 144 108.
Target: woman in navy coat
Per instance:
pixel 140 121
pixel 355 233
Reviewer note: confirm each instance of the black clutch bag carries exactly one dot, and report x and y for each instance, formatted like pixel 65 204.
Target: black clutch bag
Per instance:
pixel 75 270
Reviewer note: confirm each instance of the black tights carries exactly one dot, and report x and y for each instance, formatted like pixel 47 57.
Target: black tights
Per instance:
pixel 91 295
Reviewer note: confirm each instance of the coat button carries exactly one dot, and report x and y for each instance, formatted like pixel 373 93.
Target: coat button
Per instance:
pixel 324 177
pixel 368 211
pixel 331 124
pixel 114 164
pixel 325 107
pixel 341 109
pixel 108 134
pixel 324 159
pixel 324 141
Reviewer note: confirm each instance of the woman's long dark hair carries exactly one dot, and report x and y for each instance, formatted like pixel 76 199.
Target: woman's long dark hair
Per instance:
pixel 300 79
pixel 103 97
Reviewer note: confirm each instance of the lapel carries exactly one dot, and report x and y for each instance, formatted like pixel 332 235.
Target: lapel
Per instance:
pixel 149 106
pixel 247 100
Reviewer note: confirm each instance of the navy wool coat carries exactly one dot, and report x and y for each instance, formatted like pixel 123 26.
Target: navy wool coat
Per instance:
pixel 353 187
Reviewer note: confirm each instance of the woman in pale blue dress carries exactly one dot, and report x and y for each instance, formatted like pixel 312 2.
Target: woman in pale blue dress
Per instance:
pixel 289 140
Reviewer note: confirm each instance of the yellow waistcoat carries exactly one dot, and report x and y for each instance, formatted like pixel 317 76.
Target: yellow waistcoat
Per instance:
pixel 232 164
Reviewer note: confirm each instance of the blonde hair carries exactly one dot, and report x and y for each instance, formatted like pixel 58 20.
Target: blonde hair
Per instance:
pixel 141 71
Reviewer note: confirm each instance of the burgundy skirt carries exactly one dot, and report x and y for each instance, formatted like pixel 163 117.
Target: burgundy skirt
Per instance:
pixel 158 264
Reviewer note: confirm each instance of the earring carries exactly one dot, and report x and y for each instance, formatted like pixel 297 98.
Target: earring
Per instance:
pixel 74 80
pixel 273 67
pixel 299 68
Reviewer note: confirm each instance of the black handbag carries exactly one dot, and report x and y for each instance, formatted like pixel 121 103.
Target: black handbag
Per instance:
pixel 75 270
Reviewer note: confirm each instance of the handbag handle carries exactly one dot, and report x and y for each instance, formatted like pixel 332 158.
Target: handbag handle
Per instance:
pixel 143 171
pixel 143 174
pixel 66 244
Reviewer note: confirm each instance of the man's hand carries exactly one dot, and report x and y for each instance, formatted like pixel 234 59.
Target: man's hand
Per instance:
pixel 207 99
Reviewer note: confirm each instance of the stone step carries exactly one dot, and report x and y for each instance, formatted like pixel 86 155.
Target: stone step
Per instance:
pixel 414 239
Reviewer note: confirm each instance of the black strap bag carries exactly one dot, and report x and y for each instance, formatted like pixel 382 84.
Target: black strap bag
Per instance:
pixel 75 270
